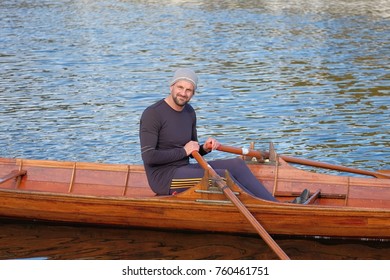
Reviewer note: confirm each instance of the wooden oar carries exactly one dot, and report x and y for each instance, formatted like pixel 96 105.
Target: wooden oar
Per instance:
pixel 241 207
pixel 258 154
pixel 12 175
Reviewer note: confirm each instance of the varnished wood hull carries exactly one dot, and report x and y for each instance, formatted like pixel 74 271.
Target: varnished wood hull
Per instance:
pixel 118 195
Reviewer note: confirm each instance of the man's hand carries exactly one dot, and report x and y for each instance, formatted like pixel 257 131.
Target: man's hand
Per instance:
pixel 211 144
pixel 191 146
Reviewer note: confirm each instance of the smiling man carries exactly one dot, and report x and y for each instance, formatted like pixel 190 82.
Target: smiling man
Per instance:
pixel 168 136
pixel 168 133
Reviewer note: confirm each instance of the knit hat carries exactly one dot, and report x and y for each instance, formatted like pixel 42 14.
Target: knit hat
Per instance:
pixel 185 74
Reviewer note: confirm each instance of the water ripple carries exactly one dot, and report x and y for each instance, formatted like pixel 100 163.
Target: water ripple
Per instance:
pixel 311 76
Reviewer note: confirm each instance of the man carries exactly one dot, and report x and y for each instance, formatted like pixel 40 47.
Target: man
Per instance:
pixel 168 136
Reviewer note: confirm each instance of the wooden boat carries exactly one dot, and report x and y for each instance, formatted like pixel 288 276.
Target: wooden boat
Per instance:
pixel 119 195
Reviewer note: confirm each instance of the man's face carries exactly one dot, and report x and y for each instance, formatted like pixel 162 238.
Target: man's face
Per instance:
pixel 182 92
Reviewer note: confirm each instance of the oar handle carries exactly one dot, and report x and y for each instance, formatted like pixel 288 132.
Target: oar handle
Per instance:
pixel 12 175
pixel 241 207
pixel 242 151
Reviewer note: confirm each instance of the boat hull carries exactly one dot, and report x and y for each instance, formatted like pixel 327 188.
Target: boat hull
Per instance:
pixel 201 208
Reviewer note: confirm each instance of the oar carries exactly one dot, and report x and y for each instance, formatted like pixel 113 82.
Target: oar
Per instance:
pixel 241 207
pixel 258 154
pixel 12 175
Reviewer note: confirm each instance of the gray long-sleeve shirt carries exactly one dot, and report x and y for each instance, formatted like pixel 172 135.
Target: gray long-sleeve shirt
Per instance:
pixel 163 135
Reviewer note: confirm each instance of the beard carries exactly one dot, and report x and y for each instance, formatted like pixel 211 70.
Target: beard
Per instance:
pixel 180 101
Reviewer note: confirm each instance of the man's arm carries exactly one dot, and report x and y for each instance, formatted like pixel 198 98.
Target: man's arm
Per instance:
pixel 149 129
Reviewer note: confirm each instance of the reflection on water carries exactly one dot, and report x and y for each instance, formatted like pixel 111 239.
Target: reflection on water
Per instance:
pixel 311 76
pixel 35 240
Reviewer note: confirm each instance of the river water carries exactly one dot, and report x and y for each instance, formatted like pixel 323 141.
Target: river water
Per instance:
pixel 311 76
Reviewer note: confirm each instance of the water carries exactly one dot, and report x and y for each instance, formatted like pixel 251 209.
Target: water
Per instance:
pixel 310 76
pixel 63 242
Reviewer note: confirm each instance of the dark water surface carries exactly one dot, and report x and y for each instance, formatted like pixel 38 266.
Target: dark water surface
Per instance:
pixel 311 76
pixel 64 242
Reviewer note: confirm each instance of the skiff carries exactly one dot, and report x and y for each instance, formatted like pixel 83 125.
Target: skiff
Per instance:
pixel 119 195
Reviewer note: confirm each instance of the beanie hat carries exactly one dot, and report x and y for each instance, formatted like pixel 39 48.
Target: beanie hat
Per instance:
pixel 185 74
